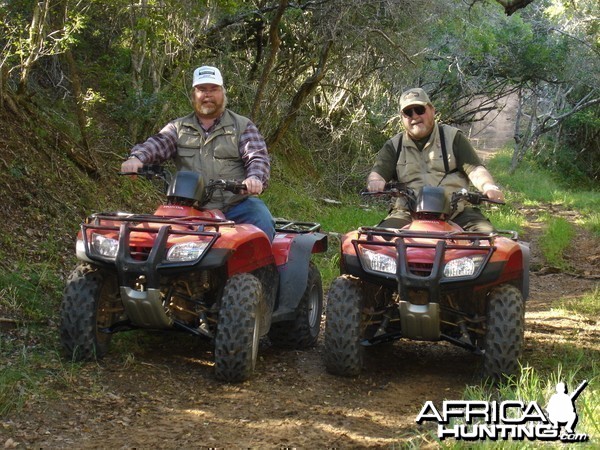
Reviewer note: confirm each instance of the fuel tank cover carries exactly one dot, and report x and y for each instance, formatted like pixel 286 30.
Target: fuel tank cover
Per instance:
pixel 186 185
pixel 432 199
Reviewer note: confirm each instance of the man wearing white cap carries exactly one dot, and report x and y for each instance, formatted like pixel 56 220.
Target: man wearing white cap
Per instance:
pixel 428 153
pixel 219 144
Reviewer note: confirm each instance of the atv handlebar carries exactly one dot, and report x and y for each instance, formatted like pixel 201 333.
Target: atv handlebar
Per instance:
pixel 151 171
pixel 475 198
pixel 148 171
pixel 396 189
pixel 392 189
pixel 227 185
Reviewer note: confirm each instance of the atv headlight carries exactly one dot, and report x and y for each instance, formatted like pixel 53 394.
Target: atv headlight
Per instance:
pixel 463 267
pixel 187 251
pixel 378 261
pixel 105 246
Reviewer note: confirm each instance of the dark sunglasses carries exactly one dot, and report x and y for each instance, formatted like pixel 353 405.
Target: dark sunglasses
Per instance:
pixel 419 109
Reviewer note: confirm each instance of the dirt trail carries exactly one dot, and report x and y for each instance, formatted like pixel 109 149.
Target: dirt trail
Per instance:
pixel 160 392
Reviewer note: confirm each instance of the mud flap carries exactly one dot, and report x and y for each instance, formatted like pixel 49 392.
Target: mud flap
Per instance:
pixel 526 257
pixel 293 275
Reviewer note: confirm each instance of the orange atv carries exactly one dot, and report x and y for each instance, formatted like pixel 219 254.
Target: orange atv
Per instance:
pixel 429 281
pixel 189 269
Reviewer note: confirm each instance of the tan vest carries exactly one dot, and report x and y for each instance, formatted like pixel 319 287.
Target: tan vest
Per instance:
pixel 426 168
pixel 215 156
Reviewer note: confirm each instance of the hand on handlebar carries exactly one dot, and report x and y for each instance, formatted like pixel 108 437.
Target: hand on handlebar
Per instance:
pixel 253 185
pixel 376 185
pixel 132 165
pixel 496 195
pixel 476 198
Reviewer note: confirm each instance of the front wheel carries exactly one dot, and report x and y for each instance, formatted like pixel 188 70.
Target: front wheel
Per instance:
pixel 504 334
pixel 303 331
pixel 91 299
pixel 238 330
pixel 344 329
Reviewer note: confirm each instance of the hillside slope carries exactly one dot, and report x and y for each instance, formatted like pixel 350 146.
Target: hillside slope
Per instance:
pixel 46 190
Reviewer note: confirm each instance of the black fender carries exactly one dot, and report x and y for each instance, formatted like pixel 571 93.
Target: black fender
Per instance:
pixel 293 275
pixel 526 258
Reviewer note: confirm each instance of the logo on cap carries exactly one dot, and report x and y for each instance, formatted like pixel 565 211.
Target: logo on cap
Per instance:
pixel 207 75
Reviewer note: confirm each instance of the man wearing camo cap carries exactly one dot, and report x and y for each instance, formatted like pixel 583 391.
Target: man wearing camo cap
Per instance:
pixel 416 157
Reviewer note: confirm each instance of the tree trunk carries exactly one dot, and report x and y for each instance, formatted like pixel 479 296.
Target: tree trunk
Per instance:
pixel 78 94
pixel 35 42
pixel 275 41
pixel 305 90
pixel 138 54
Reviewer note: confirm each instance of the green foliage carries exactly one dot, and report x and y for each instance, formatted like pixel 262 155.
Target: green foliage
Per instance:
pixel 566 162
pixel 556 238
pixel 506 218
pixel 588 305
pixel 379 48
pixel 31 292
pixel 532 184
pixel 539 385
pixel 15 384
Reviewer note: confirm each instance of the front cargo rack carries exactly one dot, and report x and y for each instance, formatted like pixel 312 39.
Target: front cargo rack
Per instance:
pixel 192 222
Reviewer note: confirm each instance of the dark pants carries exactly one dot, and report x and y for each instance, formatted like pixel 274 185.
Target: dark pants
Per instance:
pixel 471 219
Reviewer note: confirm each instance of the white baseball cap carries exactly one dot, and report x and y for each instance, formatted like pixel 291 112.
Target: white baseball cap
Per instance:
pixel 207 75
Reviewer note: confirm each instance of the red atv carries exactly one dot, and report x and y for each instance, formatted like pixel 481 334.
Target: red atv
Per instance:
pixel 429 281
pixel 188 268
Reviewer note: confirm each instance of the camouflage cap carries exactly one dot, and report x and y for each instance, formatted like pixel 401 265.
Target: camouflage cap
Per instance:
pixel 415 96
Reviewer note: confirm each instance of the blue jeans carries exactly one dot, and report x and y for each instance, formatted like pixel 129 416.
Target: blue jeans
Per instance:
pixel 253 211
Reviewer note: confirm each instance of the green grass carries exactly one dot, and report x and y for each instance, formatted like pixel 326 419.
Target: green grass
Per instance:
pixel 569 362
pixel 532 385
pixel 31 292
pixel 556 238
pixel 531 185
pixel 588 305
pixel 506 218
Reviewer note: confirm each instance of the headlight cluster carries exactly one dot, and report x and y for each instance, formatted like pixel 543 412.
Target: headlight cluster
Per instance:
pixel 105 246
pixel 463 267
pixel 187 251
pixel 378 261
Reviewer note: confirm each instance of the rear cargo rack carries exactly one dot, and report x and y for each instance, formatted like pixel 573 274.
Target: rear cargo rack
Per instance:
pixel 289 226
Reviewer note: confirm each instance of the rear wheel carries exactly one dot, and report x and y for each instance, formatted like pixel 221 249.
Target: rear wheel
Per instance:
pixel 303 331
pixel 343 352
pixel 238 331
pixel 90 304
pixel 504 334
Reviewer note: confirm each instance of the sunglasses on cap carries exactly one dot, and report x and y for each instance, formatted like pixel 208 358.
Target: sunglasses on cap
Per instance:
pixel 418 109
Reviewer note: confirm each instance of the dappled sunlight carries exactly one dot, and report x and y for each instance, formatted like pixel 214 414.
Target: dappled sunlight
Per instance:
pixel 329 426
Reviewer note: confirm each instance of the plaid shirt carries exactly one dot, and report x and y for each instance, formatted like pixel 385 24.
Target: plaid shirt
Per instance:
pixel 252 148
